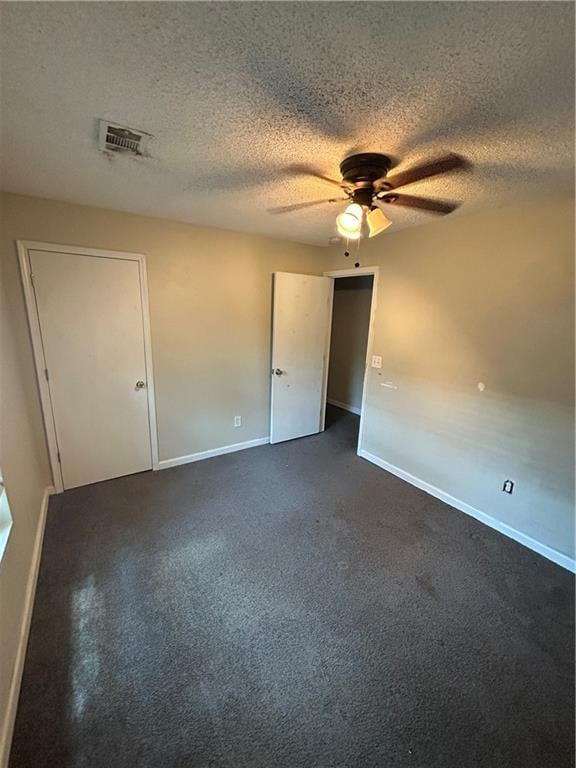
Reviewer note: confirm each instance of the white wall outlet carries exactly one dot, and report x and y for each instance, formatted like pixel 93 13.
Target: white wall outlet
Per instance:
pixel 376 361
pixel 237 421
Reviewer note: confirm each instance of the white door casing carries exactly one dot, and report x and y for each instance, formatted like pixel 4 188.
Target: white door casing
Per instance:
pixel 92 351
pixel 301 325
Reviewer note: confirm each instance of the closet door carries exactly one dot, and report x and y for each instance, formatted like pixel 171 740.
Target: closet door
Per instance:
pixel 91 321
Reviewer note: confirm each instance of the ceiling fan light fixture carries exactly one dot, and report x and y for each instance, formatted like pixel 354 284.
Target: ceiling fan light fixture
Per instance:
pixel 349 223
pixel 377 222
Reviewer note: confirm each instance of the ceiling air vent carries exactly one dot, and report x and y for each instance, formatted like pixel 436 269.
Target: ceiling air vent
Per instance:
pixel 120 138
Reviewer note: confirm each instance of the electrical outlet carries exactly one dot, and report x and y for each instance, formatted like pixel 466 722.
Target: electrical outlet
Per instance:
pixel 237 421
pixel 508 486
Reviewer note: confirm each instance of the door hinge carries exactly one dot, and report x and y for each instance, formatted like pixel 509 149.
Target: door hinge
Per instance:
pixel 59 457
pixel 46 374
pixel 32 278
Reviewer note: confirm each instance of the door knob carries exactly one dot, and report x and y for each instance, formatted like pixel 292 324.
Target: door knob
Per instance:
pixel 278 372
pixel 140 385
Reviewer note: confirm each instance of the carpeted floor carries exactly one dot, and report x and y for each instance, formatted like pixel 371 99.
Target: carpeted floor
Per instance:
pixel 291 606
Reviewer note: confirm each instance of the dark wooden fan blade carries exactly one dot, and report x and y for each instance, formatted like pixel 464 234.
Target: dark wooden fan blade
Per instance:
pixel 298 206
pixel 421 203
pixel 309 170
pixel 451 162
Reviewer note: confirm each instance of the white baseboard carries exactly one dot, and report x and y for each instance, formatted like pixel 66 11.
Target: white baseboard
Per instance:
pixel 14 693
pixel 165 463
pixel 542 549
pixel 344 406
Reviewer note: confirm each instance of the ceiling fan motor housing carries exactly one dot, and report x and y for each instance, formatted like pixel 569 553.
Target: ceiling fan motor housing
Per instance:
pixel 361 171
pixel 366 167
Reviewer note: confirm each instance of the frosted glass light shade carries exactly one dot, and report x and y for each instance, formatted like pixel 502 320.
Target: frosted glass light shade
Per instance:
pixel 377 222
pixel 349 223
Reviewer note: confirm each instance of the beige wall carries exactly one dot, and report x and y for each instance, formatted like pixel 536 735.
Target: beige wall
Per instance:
pixel 350 325
pixel 210 304
pixel 23 458
pixel 488 298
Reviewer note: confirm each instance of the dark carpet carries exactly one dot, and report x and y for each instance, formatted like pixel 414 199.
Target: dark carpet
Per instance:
pixel 291 606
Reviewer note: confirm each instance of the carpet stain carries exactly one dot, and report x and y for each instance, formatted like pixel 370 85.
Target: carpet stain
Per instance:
pixel 424 581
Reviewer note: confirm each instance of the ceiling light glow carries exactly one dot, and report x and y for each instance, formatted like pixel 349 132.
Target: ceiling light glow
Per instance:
pixel 349 223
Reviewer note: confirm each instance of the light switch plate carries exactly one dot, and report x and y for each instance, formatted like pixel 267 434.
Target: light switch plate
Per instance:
pixel 376 361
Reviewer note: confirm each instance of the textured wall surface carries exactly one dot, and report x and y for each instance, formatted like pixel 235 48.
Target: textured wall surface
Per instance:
pixel 350 326
pixel 484 298
pixel 235 93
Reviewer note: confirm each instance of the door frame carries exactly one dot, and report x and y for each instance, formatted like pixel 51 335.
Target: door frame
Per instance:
pixel 361 272
pixel 24 247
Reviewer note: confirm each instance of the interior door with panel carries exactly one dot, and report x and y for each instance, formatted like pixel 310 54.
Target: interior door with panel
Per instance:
pixel 90 314
pixel 301 323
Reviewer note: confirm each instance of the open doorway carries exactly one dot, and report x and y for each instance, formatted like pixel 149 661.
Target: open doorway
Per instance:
pixel 349 345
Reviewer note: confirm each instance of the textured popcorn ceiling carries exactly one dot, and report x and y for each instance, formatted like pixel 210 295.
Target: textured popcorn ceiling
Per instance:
pixel 236 92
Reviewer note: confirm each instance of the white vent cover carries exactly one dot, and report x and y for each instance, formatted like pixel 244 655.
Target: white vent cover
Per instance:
pixel 119 138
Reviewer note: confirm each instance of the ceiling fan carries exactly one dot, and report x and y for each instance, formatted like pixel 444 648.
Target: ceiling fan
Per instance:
pixel 368 189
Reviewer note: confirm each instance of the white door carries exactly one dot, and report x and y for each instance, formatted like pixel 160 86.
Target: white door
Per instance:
pixel 91 321
pixel 302 313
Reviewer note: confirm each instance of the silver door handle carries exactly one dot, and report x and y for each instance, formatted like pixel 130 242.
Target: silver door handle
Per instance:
pixel 278 372
pixel 140 385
